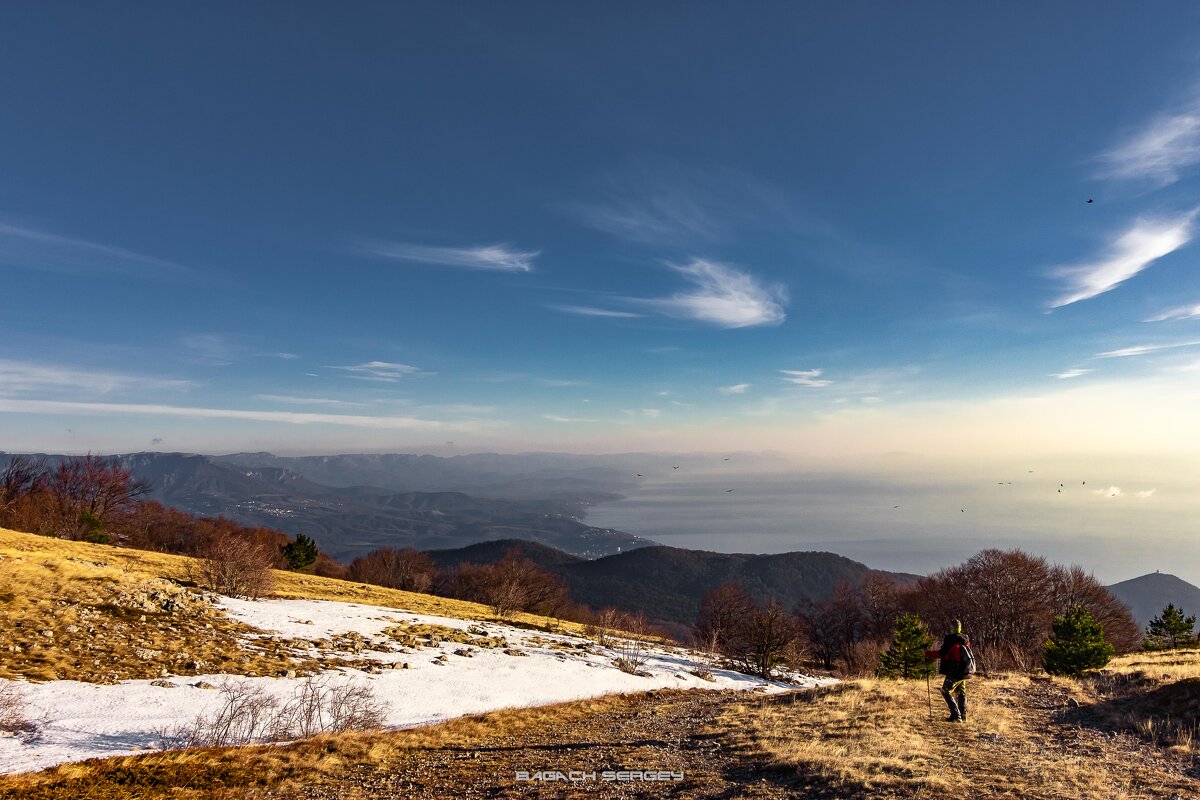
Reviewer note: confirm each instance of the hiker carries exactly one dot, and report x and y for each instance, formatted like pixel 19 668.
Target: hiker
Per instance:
pixel 956 662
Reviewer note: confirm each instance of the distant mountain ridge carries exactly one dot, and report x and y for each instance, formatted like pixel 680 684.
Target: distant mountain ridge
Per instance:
pixel 668 583
pixel 351 520
pixel 1146 596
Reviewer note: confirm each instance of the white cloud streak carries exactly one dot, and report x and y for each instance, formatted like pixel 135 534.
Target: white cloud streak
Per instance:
pixel 805 377
pixel 1070 373
pixel 20 377
pixel 382 371
pixel 591 311
pixel 723 296
pixel 305 401
pixel 494 257
pixel 1133 251
pixel 1161 151
pixel 561 419
pixel 737 388
pixel 1143 349
pixel 150 409
pixel 32 248
pixel 1180 312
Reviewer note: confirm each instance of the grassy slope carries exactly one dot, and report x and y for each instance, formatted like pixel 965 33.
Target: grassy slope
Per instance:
pixel 72 610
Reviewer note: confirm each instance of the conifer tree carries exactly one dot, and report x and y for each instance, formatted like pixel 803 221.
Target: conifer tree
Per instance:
pixel 1170 630
pixel 1076 644
pixel 300 553
pixel 905 658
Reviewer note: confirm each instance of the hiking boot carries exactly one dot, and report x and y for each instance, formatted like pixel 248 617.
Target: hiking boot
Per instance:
pixel 954 718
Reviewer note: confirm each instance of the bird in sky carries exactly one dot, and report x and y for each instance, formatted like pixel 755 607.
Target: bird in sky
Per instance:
pixel 1090 200
pixel 674 467
pixel 729 490
pixel 638 474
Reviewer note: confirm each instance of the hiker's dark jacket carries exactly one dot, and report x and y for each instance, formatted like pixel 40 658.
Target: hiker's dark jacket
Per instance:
pixel 951 663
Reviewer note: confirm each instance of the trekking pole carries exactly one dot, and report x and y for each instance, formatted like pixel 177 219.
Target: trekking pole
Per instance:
pixel 929 695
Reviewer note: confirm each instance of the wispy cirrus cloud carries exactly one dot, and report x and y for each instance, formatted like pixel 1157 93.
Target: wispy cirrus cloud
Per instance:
pixel 669 203
pixel 306 401
pixel 721 295
pixel 38 249
pixel 592 311
pixel 562 419
pixel 1133 251
pixel 1143 349
pixel 152 409
pixel 805 377
pixel 737 388
pixel 1159 152
pixel 382 371
pixel 23 377
pixel 1180 312
pixel 1070 373
pixel 494 257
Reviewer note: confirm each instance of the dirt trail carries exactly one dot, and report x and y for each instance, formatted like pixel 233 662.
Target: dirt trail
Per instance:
pixel 664 731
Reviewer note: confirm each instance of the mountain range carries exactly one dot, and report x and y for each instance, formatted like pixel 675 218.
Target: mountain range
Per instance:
pixel 538 498
pixel 668 583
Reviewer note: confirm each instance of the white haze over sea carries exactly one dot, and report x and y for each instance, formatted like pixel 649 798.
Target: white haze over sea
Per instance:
pixel 1116 528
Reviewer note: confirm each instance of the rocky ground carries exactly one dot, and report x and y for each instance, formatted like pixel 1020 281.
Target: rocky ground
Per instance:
pixel 668 733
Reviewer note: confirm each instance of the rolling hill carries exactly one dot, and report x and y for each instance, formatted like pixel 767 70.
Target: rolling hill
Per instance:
pixel 1148 595
pixel 668 583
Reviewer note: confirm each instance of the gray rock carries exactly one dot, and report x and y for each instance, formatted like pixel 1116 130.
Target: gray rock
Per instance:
pixel 165 684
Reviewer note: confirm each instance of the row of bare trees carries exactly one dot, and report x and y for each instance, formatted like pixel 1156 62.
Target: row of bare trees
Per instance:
pixel 97 499
pixel 513 583
pixel 1007 601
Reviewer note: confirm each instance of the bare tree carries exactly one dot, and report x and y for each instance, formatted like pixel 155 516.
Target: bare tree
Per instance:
pixel 90 493
pixel 406 569
pixel 724 618
pixel 237 566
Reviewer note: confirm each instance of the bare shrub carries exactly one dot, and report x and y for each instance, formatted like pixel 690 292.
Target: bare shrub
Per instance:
pixel 249 714
pixel 237 566
pixel 631 650
pixel 606 620
pixel 14 716
pixel 320 707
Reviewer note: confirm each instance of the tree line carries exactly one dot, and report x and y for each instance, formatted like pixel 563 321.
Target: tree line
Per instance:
pixel 1008 601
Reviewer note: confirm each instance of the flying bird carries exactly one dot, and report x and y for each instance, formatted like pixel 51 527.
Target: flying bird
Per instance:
pixel 724 459
pixel 729 490
pixel 639 474
pixel 1090 200
pixel 674 467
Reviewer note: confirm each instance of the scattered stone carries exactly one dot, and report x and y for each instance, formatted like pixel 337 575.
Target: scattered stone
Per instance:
pixel 286 673
pixel 146 653
pixel 203 685
pixel 165 684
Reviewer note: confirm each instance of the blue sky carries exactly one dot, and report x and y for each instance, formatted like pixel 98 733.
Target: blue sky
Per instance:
pixel 834 230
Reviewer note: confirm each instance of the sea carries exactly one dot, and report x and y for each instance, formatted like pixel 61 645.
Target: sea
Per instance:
pixel 916 525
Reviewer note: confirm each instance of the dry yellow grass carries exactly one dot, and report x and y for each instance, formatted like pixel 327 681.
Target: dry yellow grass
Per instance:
pixel 73 610
pixel 875 738
pixel 213 773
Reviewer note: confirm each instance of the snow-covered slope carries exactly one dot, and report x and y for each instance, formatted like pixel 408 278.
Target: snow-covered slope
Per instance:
pixel 443 678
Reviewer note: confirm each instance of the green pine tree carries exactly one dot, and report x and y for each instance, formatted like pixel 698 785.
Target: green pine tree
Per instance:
pixel 905 658
pixel 300 554
pixel 1076 644
pixel 1170 630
